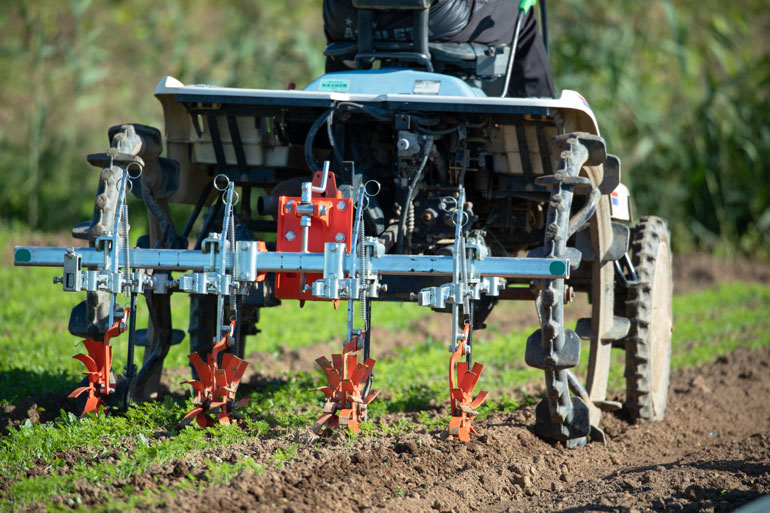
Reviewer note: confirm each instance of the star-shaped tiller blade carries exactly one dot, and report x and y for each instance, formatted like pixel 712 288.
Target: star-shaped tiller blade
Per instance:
pixel 216 386
pixel 98 363
pixel 461 385
pixel 345 405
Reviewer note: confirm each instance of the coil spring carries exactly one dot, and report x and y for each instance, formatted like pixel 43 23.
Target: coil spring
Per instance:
pixel 361 251
pixel 124 235
pixel 231 254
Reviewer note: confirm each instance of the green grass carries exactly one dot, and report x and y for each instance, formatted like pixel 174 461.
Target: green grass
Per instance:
pixel 35 357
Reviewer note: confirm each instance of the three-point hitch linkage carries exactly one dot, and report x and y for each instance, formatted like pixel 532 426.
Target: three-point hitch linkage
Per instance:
pixel 333 260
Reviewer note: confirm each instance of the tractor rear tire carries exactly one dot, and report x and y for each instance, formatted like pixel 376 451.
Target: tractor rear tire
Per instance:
pixel 648 306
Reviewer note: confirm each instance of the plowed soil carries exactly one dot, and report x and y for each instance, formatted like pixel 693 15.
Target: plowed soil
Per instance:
pixel 710 454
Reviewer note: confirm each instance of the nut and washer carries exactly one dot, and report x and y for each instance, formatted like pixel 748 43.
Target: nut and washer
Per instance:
pixel 290 236
pixel 340 237
pixel 342 205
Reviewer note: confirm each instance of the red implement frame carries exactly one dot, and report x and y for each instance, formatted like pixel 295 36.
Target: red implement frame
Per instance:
pixel 331 221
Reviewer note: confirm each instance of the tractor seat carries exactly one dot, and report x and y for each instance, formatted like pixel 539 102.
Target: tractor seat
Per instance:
pixel 473 59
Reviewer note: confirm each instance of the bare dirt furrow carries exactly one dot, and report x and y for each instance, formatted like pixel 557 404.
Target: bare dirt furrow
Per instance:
pixel 712 453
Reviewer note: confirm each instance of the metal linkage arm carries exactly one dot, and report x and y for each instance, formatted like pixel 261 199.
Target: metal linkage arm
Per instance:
pixel 252 262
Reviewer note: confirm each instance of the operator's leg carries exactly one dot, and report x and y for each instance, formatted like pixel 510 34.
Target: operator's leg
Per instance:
pixel 492 23
pixel 531 69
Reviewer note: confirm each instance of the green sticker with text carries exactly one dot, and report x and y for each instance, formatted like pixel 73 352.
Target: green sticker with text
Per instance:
pixel 337 85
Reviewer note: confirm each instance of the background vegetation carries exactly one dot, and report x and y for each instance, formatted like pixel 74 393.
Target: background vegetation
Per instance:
pixel 681 90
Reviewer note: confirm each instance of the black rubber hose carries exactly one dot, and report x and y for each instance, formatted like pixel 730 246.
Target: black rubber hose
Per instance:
pixel 310 160
pixel 584 214
pixel 207 223
pixel 197 210
pixel 130 368
pixel 159 307
pixel 410 195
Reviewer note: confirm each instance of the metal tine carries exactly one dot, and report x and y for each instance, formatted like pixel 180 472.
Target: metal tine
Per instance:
pixel 77 392
pixel 87 361
pixel 337 359
pixel 239 372
pixel 369 398
pixel 228 366
pixel 332 376
pixel 188 418
pixel 352 363
pixel 469 381
pixel 462 369
pixel 328 417
pixel 358 373
pixel 203 370
pixel 95 351
pixel 479 399
pixel 234 368
pixel 323 362
pixel 195 384
pixel 369 367
pixel 348 387
pixel 91 404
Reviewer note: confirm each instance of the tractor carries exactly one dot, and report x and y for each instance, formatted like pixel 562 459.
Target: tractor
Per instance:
pixel 409 178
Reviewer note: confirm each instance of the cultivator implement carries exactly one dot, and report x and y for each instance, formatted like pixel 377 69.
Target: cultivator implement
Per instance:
pixel 374 185
pixel 230 269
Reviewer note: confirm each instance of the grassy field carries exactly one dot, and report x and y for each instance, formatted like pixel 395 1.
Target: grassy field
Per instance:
pixel 35 358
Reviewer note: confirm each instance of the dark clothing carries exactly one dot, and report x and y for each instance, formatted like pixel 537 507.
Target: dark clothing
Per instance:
pixel 490 22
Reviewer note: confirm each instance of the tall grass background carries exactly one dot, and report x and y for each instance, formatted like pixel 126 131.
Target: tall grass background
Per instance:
pixel 681 91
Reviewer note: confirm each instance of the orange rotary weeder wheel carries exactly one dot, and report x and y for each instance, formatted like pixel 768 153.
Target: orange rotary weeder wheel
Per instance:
pixel 461 385
pixel 98 363
pixel 345 401
pixel 216 386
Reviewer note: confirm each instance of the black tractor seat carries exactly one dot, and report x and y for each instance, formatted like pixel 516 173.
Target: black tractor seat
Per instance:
pixel 474 60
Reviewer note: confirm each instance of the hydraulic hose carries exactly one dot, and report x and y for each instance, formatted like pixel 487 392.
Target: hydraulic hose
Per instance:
pixel 524 7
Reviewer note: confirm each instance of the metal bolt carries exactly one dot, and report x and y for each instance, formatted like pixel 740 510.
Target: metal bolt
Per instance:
pixel 569 294
pixel 340 237
pixel 341 205
pixel 428 216
pixel 290 236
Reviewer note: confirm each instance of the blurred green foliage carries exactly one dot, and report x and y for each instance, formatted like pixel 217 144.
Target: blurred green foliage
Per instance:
pixel 682 94
pixel 681 91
